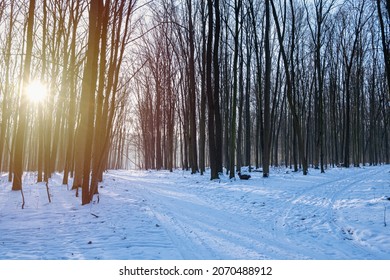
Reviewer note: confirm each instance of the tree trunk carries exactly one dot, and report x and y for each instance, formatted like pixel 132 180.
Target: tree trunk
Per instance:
pixel 88 93
pixel 267 92
pixel 202 116
pixel 233 120
pixel 19 144
pixel 248 128
pixel 210 96
pixel 217 111
pixel 192 93
pixel 69 158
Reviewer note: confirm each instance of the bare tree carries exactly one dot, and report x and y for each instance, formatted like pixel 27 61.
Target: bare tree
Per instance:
pixel 87 103
pixel 192 92
pixel 292 103
pixel 385 43
pixel 19 144
pixel 267 92
pixel 322 10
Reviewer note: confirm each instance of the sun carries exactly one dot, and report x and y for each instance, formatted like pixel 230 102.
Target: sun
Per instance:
pixel 36 91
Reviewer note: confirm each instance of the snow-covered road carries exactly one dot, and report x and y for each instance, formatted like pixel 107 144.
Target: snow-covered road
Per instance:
pixel 338 215
pixel 342 214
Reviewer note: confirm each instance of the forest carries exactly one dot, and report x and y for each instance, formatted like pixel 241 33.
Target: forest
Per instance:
pixel 203 85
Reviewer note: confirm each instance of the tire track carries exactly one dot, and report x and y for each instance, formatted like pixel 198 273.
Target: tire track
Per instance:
pixel 322 223
pixel 203 227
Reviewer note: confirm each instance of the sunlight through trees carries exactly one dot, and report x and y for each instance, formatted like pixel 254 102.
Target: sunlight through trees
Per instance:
pixel 209 86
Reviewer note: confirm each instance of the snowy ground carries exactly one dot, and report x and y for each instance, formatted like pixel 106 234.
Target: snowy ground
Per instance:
pixel 342 214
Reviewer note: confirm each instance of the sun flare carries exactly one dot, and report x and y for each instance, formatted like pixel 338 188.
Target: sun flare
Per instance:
pixel 36 91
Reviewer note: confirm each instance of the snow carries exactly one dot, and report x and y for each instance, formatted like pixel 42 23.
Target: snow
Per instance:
pixel 159 215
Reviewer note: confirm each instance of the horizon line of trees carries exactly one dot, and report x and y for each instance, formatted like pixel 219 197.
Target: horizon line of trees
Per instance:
pixel 192 84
